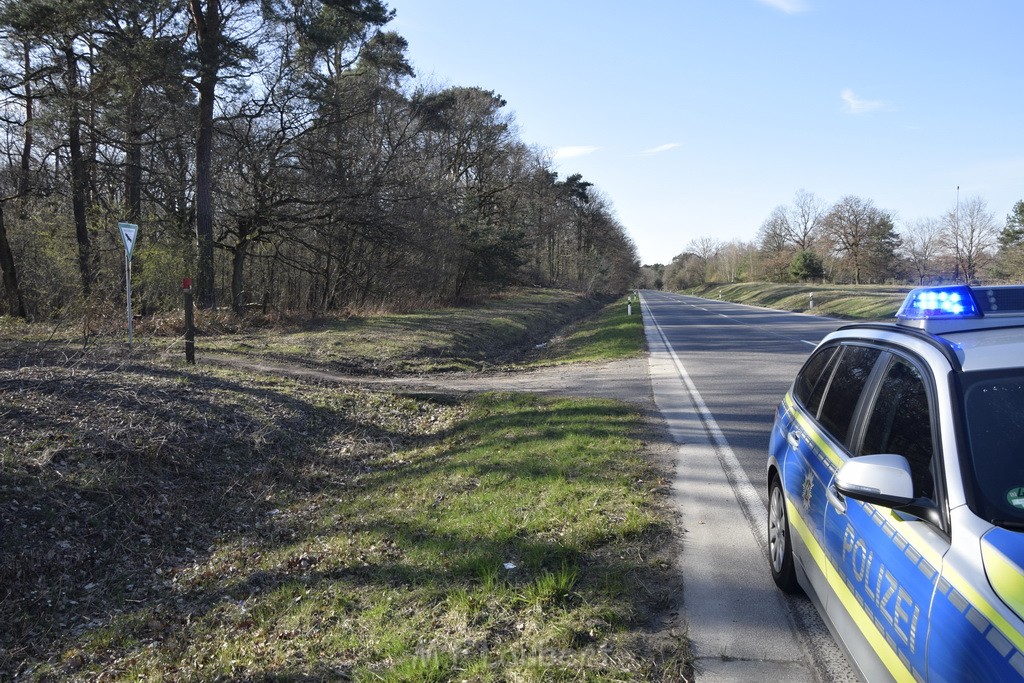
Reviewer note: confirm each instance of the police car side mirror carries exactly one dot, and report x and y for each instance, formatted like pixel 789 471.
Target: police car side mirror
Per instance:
pixel 877 479
pixel 885 480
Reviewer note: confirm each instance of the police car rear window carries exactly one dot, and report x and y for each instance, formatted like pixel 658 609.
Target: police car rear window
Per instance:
pixel 844 390
pixel 811 382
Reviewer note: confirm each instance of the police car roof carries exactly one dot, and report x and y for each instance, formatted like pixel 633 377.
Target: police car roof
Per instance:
pixel 989 349
pixel 984 324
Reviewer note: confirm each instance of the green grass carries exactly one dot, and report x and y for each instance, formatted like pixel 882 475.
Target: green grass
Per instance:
pixel 166 522
pixel 856 302
pixel 171 523
pixel 613 334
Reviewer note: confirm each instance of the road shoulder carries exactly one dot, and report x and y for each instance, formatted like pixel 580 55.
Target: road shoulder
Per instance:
pixel 739 626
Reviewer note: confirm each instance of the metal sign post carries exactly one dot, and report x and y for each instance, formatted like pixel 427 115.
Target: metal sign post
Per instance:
pixel 190 326
pixel 128 233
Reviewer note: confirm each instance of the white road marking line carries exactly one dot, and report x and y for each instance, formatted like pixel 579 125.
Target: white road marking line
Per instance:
pixel 745 492
pixel 817 644
pixel 727 317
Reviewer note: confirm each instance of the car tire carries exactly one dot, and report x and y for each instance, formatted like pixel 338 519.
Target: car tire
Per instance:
pixel 780 547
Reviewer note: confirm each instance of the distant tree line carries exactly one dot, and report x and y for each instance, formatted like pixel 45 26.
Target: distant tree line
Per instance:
pixel 276 151
pixel 855 242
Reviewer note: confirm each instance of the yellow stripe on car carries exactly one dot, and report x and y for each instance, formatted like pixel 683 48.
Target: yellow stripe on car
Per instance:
pixel 1009 574
pixel 978 602
pixel 811 432
pixel 864 621
pixel 1005 576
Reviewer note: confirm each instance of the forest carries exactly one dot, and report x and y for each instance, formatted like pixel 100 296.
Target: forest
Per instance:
pixel 280 154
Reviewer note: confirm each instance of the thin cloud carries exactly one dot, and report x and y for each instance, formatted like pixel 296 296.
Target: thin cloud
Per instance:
pixel 856 105
pixel 659 149
pixel 787 6
pixel 573 152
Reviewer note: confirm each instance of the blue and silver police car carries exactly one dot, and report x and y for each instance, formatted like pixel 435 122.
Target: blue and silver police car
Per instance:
pixel 896 487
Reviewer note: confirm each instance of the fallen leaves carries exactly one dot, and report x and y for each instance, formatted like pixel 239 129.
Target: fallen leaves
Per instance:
pixel 121 487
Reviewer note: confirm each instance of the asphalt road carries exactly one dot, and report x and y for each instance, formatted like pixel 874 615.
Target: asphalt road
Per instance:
pixel 719 371
pixel 742 359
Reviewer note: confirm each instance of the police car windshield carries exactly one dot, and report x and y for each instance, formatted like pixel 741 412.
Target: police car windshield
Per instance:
pixel 994 414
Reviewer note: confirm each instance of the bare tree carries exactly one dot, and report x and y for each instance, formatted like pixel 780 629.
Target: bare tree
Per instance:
pixel 863 235
pixel 773 238
pixel 972 231
pixel 774 235
pixel 684 272
pixel 923 245
pixel 805 219
pixel 704 249
pixel 730 259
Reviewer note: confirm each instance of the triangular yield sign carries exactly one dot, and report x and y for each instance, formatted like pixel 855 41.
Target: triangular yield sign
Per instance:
pixel 128 232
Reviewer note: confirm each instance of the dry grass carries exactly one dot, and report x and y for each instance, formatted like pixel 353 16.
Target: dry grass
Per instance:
pixel 490 334
pixel 855 302
pixel 163 522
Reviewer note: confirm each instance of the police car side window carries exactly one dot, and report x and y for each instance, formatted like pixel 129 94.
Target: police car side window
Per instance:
pixel 901 423
pixel 848 381
pixel 813 378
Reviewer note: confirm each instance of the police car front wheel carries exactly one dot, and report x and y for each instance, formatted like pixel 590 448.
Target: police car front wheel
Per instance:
pixel 780 549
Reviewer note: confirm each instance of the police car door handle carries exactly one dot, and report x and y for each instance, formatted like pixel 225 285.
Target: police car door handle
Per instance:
pixel 835 498
pixel 794 437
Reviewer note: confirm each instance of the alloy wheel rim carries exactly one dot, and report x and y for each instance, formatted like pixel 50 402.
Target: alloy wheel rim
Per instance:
pixel 777 531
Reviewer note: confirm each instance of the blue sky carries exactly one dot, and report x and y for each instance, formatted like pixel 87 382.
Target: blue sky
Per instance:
pixel 696 118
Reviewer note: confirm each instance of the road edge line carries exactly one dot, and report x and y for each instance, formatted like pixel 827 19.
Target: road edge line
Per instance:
pixel 753 509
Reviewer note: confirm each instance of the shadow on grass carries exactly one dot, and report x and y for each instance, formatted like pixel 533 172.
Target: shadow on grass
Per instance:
pixel 148 510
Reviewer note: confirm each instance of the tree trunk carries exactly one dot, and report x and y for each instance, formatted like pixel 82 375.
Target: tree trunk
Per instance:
pixel 133 173
pixel 25 178
pixel 12 293
pixel 238 278
pixel 208 25
pixel 238 270
pixel 552 272
pixel 79 180
pixel 204 194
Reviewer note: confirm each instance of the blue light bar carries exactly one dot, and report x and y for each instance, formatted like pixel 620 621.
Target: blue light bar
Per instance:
pixel 939 303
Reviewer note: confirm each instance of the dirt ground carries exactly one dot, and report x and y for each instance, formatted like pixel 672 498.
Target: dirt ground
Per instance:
pixel 621 380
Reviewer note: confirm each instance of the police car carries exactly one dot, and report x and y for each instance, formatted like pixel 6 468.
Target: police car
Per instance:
pixel 896 487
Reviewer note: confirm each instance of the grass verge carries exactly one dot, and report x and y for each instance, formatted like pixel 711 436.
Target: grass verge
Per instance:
pixel 522 327
pixel 855 302
pixel 170 523
pixel 499 331
pixel 612 334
